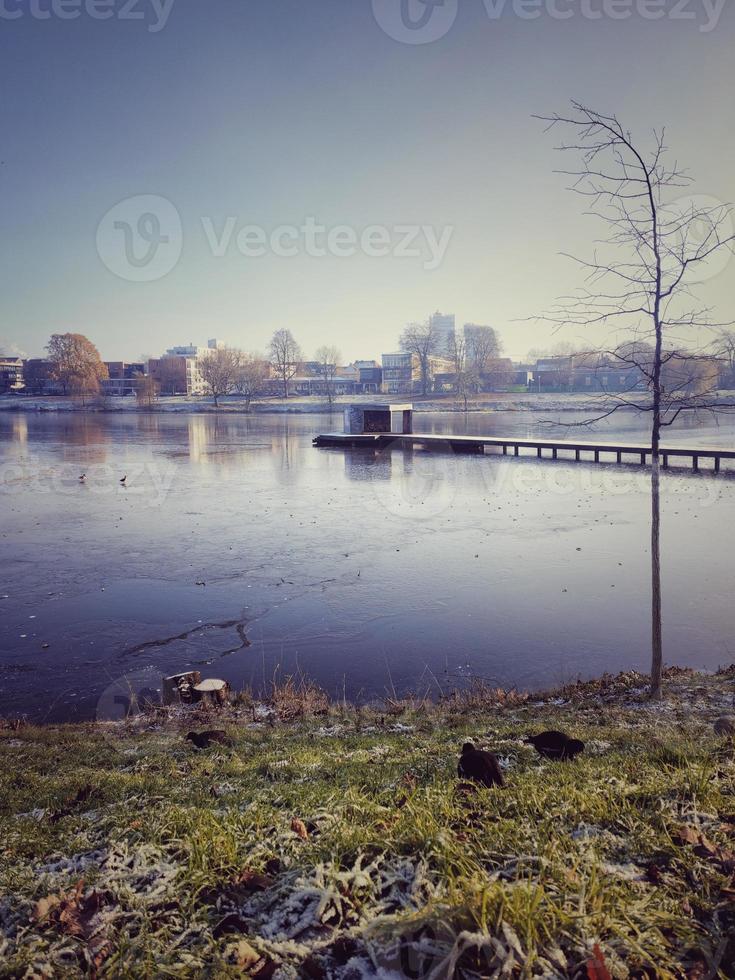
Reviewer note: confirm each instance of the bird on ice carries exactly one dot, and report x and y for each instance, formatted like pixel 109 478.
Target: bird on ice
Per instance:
pixel 479 766
pixel 124 479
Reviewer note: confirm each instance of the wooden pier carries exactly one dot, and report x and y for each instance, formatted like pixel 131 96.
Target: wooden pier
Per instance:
pixel 544 448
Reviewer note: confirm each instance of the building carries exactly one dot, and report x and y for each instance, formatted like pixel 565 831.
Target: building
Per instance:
pixel 122 377
pixel 397 372
pixel 177 371
pixel 402 372
pixel 442 325
pixel 11 373
pixel 370 376
pixel 37 378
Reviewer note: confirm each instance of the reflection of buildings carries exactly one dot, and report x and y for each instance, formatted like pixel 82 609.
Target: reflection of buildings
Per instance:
pixel 198 438
pixel 20 430
pixel 363 465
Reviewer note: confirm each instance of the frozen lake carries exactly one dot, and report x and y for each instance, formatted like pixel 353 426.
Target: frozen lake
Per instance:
pixel 401 571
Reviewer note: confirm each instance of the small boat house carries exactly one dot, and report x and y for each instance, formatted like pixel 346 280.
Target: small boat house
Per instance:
pixel 375 418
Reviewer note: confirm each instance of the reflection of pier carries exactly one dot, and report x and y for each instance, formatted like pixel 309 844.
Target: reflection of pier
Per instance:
pixel 543 448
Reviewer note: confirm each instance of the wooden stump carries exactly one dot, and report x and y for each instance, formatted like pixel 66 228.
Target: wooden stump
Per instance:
pixel 179 688
pixel 212 690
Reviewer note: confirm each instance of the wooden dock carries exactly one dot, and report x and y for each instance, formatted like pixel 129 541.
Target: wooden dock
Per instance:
pixel 544 448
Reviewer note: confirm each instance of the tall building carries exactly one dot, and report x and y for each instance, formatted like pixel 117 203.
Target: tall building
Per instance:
pixel 177 371
pixel 443 325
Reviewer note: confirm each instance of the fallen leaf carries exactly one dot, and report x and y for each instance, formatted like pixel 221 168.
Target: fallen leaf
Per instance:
pixel 78 914
pixel 299 827
pixel 243 955
pixel 703 846
pixel 596 969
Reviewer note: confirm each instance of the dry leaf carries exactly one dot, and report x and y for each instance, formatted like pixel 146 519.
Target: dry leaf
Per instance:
pixel 243 954
pixel 299 827
pixel 703 846
pixel 596 969
pixel 78 914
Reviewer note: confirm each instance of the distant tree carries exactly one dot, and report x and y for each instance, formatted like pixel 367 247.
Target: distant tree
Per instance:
pixel 285 356
pixel 483 347
pixel 640 278
pixel 171 375
pixel 251 377
pixel 327 359
pixel 75 363
pixel 219 370
pixel 146 389
pixel 422 340
pixel 465 372
pixel 725 348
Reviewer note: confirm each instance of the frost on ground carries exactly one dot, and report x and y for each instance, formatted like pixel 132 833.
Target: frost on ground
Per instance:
pixel 328 847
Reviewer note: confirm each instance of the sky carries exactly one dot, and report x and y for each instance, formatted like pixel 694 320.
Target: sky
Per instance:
pixel 174 170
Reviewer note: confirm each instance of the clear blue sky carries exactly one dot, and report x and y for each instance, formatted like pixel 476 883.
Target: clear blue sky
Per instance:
pixel 272 111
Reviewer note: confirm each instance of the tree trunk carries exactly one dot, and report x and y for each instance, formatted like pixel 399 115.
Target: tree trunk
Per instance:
pixel 656 627
pixel 656 631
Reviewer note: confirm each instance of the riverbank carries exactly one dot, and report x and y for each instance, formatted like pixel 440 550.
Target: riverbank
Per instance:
pixel 333 842
pixel 233 405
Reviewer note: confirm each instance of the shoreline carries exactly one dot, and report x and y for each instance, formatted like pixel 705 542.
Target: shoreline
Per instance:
pixel 500 402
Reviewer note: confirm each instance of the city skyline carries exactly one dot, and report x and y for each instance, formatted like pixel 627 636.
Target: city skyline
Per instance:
pixel 304 118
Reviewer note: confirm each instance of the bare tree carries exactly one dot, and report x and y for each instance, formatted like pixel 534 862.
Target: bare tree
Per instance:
pixel 421 340
pixel 725 346
pixel 483 348
pixel 251 377
pixel 327 359
pixel 285 356
pixel 465 372
pixel 146 389
pixel 219 369
pixel 640 280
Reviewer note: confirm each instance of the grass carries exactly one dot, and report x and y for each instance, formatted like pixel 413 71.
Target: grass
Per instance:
pixel 337 842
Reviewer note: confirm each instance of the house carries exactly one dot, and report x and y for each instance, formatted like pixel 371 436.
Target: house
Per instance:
pixel 11 373
pixel 370 376
pixel 122 377
pixel 402 372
